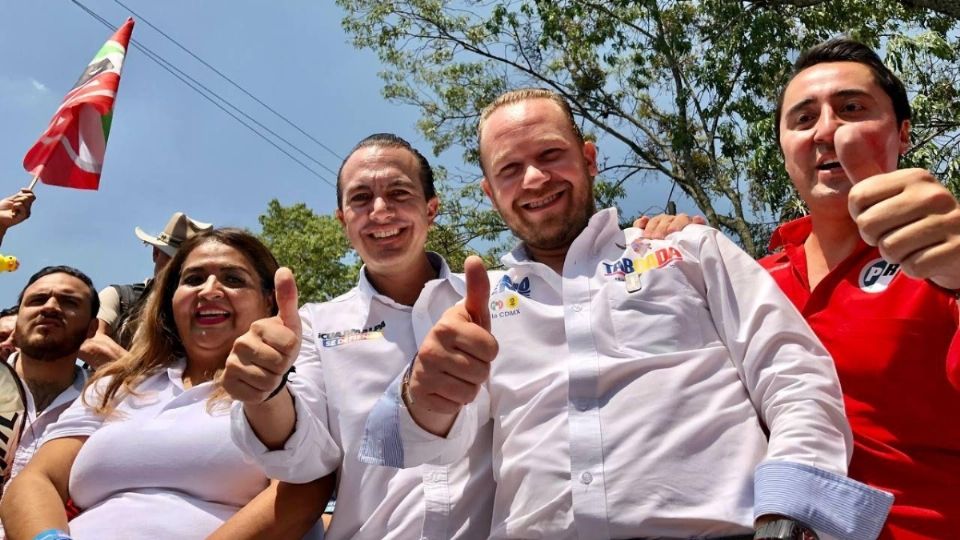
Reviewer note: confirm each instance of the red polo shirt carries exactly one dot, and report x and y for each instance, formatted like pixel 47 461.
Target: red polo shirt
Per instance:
pixel 889 335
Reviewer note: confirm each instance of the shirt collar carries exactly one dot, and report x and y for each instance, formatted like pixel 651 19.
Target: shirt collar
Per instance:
pixel 791 233
pixel 603 227
pixel 368 292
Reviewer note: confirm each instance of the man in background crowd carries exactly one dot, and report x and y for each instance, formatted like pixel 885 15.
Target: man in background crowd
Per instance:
pixel 56 315
pixel 8 323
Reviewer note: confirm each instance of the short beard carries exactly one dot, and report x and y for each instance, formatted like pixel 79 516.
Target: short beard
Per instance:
pixel 49 351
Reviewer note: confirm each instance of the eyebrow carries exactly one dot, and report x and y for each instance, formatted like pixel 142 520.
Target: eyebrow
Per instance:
pixel 195 269
pixel 848 92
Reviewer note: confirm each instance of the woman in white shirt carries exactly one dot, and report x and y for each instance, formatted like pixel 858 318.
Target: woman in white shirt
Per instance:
pixel 146 452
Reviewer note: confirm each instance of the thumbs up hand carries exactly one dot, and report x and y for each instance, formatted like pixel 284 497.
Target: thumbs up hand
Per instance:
pixel 261 357
pixel 454 359
pixel 907 214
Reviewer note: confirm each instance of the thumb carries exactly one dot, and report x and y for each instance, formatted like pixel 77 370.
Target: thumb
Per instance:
pixel 641 222
pixel 478 291
pixel 287 299
pixel 857 157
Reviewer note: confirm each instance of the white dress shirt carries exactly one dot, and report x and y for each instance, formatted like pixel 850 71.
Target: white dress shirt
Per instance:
pixel 658 388
pixel 352 348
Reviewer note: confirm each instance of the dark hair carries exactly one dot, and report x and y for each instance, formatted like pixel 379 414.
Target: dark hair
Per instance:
pixel 389 140
pixel 157 342
pixel 168 280
pixel 844 49
pixel 12 310
pixel 70 271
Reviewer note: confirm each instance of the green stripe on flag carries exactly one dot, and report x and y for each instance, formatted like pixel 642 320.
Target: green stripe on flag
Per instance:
pixel 108 47
pixel 105 121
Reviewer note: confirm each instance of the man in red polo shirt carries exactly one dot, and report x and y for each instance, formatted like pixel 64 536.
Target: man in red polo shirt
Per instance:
pixel 874 268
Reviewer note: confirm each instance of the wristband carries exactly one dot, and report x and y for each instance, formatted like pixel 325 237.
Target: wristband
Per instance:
pixel 52 534
pixel 283 383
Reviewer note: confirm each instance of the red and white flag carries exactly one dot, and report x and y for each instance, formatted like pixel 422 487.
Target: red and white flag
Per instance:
pixel 70 152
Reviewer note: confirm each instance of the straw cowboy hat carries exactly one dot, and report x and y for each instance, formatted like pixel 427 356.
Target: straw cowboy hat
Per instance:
pixel 178 230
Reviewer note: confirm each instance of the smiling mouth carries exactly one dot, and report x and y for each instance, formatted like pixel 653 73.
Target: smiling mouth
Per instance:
pixel 209 316
pixel 540 203
pixel 829 166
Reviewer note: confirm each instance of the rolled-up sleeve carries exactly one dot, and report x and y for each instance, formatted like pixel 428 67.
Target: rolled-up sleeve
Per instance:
pixel 393 439
pixel 832 505
pixel 793 384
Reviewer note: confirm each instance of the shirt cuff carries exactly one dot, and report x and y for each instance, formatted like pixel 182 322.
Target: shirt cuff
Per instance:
pixel 830 504
pixel 382 444
pixel 296 462
pixel 392 438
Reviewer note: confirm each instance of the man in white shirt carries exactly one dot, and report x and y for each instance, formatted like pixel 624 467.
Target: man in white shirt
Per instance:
pixel 645 388
pixel 56 314
pixel 350 349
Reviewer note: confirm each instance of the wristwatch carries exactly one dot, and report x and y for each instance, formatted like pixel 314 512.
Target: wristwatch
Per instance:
pixel 784 529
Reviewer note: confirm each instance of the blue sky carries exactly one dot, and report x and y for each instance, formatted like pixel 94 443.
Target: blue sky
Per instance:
pixel 169 148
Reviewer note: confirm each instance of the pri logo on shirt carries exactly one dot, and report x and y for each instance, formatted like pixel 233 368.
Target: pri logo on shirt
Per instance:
pixel 877 274
pixel 342 337
pixel 507 306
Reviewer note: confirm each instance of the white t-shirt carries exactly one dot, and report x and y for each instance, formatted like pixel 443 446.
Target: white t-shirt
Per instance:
pixel 161 466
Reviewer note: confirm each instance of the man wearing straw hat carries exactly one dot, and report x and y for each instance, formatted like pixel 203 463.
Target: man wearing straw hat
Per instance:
pixel 120 304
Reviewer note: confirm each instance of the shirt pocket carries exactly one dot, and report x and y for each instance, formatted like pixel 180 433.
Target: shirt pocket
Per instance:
pixel 665 316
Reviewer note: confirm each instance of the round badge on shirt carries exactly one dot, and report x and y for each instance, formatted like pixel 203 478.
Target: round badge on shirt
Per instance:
pixel 877 274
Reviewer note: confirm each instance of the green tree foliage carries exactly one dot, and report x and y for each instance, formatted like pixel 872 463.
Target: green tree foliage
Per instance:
pixel 686 87
pixel 313 246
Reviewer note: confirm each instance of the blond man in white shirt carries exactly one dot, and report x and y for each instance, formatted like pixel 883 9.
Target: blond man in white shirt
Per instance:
pixel 643 388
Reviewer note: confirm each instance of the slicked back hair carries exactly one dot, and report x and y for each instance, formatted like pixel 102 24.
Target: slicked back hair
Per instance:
pixel 844 49
pixel 70 271
pixel 524 94
pixel 389 140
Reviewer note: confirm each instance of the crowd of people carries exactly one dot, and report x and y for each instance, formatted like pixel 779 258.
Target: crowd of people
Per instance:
pixel 653 382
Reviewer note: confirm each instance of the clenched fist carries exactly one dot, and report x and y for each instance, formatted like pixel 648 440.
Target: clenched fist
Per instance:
pixel 907 214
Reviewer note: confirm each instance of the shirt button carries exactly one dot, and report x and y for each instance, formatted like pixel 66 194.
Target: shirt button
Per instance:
pixel 577 308
pixel 586 478
pixel 582 405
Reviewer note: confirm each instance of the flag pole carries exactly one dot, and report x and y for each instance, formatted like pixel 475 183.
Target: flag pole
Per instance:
pixel 33 182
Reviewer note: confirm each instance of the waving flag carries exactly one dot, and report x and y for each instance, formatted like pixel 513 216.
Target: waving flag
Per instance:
pixel 70 152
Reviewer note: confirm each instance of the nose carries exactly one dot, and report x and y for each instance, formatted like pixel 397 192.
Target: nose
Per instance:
pixel 210 288
pixel 826 126
pixel 382 209
pixel 534 177
pixel 51 307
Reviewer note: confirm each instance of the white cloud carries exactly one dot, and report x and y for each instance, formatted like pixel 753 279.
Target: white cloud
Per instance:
pixel 39 86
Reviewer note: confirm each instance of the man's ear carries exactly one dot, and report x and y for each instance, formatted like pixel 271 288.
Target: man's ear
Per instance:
pixel 433 206
pixel 92 327
pixel 485 186
pixel 590 156
pixel 904 137
pixel 339 215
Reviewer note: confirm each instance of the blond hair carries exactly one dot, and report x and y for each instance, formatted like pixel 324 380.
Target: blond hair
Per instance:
pixel 524 94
